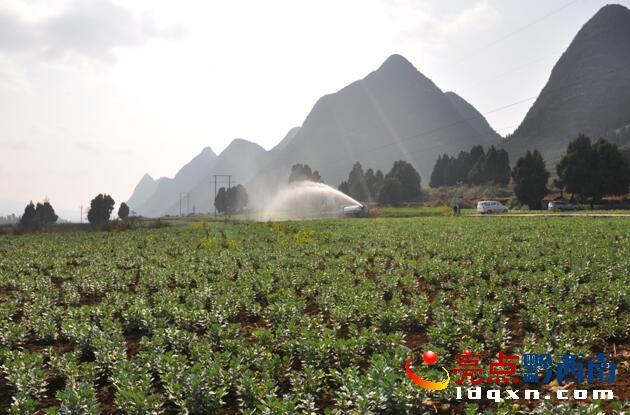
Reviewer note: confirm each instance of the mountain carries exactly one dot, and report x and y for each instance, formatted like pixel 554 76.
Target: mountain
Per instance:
pixel 241 158
pixel 286 140
pixel 487 135
pixel 393 113
pixel 588 90
pixel 143 190
pixel 166 191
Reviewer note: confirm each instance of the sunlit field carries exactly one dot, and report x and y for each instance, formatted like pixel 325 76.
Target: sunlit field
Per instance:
pixel 299 317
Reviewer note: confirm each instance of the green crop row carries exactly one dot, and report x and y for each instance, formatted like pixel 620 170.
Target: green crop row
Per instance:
pixel 308 317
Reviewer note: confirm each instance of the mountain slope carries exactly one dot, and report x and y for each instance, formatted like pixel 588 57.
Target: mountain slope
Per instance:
pixel 393 113
pixel 487 135
pixel 241 158
pixel 588 90
pixel 167 190
pixel 286 140
pixel 143 190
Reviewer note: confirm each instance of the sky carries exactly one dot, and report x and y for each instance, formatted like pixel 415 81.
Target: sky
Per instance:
pixel 96 93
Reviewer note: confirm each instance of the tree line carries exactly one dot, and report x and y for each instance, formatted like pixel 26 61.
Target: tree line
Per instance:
pixel 593 170
pixel 401 184
pixel 474 168
pixel 42 215
pixel 589 171
pixel 38 216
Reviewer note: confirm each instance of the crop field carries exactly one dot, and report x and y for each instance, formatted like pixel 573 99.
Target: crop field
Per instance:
pixel 302 317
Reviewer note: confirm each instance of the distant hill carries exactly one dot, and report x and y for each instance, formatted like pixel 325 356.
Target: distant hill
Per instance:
pixel 588 90
pixel 393 113
pixel 241 159
pixel 286 140
pixel 167 190
pixel 143 190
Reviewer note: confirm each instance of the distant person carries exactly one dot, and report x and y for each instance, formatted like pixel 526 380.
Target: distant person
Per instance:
pixel 455 205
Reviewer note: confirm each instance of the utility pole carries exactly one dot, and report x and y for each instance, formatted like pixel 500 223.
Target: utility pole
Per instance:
pixel 184 195
pixel 81 217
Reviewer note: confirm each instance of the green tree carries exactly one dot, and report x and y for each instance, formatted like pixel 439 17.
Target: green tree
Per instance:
pixel 530 179
pixel 438 175
pixel 237 199
pixel 374 182
pixel 496 167
pixel 356 183
pixel 101 208
pixel 46 214
pixel 409 179
pixel 30 218
pixel 232 200
pixel 460 167
pixel 612 172
pixel 391 192
pixel 469 168
pixel 477 174
pixel 362 186
pixel 445 172
pixel 301 172
pixel 220 201
pixel 476 154
pixel 592 171
pixel 123 211
pixel 574 168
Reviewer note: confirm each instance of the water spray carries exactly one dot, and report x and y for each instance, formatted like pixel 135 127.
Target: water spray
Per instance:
pixel 311 200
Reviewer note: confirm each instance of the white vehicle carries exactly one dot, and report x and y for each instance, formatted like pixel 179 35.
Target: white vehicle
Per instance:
pixel 354 210
pixel 491 206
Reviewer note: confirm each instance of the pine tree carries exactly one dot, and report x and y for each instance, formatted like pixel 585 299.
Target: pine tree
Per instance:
pixel 356 183
pixel 409 179
pixel 30 218
pixel 123 211
pixel 101 208
pixel 46 214
pixel 392 192
pixel 530 179
pixel 496 167
pixel 593 171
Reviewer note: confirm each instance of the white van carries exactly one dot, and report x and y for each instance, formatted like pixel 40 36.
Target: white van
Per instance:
pixel 491 206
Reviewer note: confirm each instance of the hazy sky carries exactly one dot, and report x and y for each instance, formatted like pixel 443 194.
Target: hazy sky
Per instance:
pixel 95 93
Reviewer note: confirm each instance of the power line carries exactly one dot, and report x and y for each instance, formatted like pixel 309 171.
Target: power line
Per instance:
pixel 182 196
pixel 428 132
pixel 517 68
pixel 519 30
